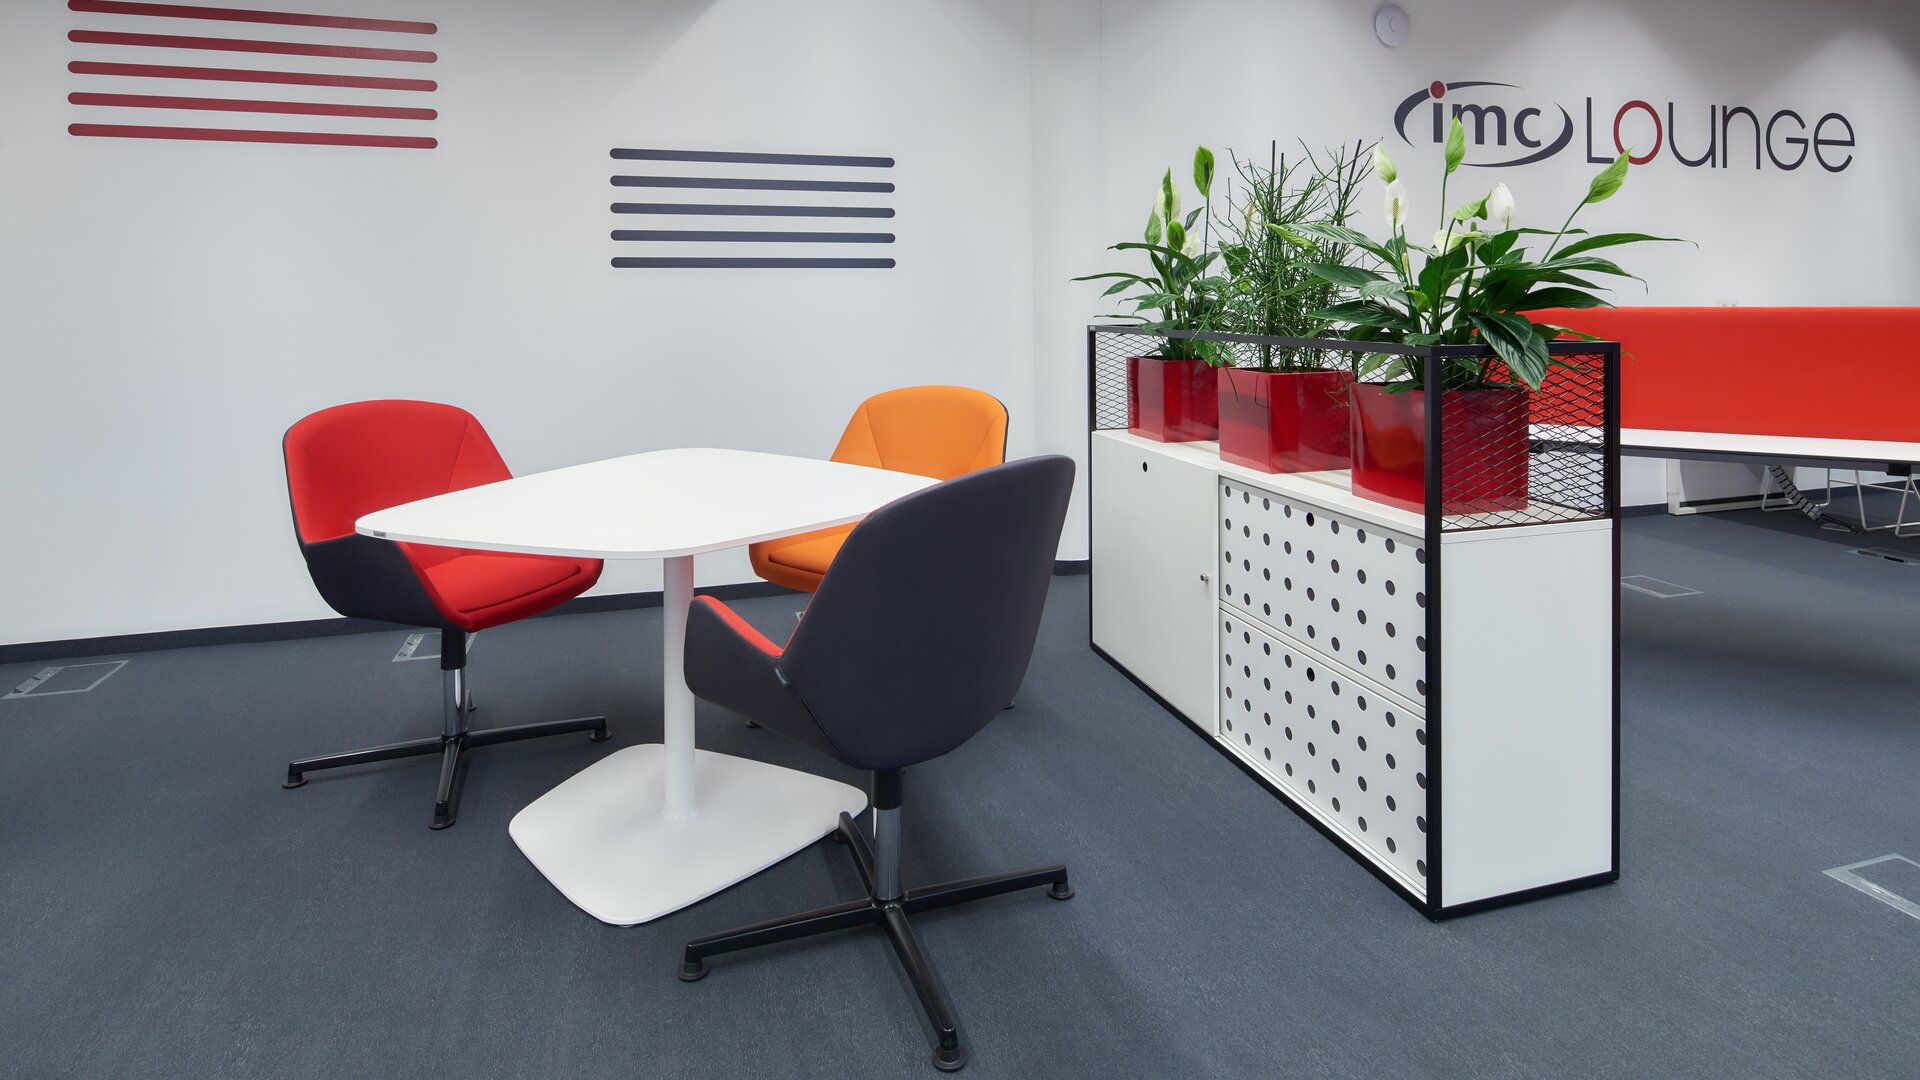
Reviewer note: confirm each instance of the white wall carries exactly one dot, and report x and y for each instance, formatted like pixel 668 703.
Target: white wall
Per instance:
pixel 167 309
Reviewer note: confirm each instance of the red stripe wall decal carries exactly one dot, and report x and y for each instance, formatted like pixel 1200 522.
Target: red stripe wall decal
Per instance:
pixel 278 18
pixel 296 78
pixel 305 138
pixel 285 48
pixel 300 108
pixel 133 100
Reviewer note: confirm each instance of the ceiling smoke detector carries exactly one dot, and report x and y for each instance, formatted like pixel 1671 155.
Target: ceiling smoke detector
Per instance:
pixel 1391 25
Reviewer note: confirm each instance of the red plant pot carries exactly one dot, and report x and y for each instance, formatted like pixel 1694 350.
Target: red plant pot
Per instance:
pixel 1285 421
pixel 1171 400
pixel 1483 466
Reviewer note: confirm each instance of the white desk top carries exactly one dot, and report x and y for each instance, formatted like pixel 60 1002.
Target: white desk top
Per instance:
pixel 657 505
pixel 1718 442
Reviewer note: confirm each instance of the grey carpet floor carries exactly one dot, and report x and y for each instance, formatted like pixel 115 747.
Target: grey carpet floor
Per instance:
pixel 166 910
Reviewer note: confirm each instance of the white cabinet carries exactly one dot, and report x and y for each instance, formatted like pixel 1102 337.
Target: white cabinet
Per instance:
pixel 1154 551
pixel 1438 699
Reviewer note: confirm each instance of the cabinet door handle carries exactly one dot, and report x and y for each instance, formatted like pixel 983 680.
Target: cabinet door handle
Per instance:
pixel 1205 577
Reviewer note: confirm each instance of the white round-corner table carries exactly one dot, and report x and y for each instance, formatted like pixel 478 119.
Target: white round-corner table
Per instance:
pixel 650 829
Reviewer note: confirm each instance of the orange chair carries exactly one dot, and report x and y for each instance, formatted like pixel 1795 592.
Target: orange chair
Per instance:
pixel 937 431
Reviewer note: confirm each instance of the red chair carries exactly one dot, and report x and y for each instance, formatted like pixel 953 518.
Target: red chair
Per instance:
pixel 351 460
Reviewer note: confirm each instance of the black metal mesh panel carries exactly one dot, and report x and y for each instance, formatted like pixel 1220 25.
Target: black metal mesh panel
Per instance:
pixel 1564 472
pixel 1109 379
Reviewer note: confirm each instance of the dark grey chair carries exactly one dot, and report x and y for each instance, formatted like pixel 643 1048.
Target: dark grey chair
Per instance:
pixel 919 634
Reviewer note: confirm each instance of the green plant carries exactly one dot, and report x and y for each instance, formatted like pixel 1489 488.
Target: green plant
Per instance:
pixel 1179 293
pixel 1270 290
pixel 1474 285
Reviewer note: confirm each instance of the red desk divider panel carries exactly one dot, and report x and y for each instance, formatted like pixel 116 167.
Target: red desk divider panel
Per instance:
pixel 1815 372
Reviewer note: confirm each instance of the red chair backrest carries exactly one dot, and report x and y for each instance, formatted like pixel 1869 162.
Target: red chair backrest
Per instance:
pixel 350 460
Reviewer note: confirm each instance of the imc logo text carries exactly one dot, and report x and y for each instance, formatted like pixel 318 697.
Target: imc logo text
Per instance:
pixel 1504 129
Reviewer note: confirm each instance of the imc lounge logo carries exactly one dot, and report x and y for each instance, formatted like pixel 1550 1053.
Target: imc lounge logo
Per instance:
pixel 1505 128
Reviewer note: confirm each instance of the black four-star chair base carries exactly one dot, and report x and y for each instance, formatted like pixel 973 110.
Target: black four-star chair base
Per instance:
pixel 452 751
pixel 890 915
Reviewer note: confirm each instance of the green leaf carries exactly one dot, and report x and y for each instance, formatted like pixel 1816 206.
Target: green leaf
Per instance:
pixel 1584 262
pixel 1601 240
pixel 1120 286
pixel 1512 337
pixel 1457 147
pixel 1384 290
pixel 1557 298
pixel 1153 227
pixel 1607 181
pixel 1176 235
pixel 1351 277
pixel 1366 313
pixel 1475 209
pixel 1340 234
pixel 1203 171
pixel 1499 245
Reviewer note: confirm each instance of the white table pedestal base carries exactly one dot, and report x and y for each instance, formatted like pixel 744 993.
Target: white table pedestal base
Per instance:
pixel 603 839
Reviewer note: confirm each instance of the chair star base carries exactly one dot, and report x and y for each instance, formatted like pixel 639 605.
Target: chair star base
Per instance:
pixel 452 751
pixel 890 915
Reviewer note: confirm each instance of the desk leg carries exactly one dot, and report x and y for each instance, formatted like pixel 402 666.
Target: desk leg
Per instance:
pixel 676 597
pixel 629 839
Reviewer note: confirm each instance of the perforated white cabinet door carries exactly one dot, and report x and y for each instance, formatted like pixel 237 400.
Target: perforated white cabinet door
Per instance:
pixel 1154 547
pixel 1353 755
pixel 1348 590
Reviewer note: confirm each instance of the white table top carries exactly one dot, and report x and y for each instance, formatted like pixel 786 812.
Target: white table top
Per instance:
pixel 1719 442
pixel 656 505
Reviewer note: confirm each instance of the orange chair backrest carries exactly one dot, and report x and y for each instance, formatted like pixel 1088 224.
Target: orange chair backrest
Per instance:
pixel 937 431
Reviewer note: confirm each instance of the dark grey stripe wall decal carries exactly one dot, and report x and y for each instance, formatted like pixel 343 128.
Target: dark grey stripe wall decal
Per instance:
pixel 755 159
pixel 749 183
pixel 710 209
pixel 690 263
pixel 729 236
pixel 698 241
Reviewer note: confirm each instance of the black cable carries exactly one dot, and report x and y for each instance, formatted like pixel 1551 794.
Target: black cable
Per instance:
pixel 1800 502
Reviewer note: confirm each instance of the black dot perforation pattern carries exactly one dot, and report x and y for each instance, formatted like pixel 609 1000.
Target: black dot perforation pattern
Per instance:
pixel 1338 746
pixel 1342 588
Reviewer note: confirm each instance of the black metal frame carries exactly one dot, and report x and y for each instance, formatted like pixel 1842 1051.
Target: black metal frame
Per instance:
pixel 1435 522
pixel 887 912
pixel 453 742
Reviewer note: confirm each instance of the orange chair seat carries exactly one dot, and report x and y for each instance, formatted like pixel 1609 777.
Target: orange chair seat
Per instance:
pixel 800 561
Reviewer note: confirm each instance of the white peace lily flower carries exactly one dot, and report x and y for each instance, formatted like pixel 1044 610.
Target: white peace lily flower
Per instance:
pixel 1166 199
pixel 1396 204
pixel 1500 209
pixel 1191 247
pixel 1463 232
pixel 1383 164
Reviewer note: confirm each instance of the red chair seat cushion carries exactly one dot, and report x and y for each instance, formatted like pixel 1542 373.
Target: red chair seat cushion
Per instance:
pixel 478 589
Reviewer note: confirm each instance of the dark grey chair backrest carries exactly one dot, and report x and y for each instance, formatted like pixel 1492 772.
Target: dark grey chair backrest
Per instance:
pixel 923 628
